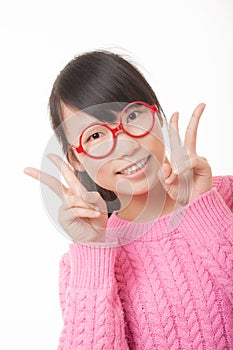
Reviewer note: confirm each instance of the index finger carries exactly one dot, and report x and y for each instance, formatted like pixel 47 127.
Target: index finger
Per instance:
pixel 174 136
pixel 75 185
pixel 179 152
pixel 52 182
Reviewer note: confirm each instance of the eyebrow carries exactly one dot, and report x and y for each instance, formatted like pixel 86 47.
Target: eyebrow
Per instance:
pixel 116 115
pixel 135 105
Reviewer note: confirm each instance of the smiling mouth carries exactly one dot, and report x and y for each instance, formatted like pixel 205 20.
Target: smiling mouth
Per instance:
pixel 134 168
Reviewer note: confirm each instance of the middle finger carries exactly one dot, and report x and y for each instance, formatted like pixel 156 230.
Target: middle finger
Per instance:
pixel 191 132
pixel 75 185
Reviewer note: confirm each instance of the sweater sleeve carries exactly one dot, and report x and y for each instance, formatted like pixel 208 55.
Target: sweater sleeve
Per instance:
pixel 92 312
pixel 208 227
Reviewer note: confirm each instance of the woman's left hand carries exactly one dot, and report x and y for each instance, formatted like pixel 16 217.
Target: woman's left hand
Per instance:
pixel 187 175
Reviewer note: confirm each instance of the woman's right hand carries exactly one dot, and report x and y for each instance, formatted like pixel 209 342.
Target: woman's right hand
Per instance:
pixel 83 214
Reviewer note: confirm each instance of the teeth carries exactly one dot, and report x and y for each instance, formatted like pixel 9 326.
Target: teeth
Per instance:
pixel 135 167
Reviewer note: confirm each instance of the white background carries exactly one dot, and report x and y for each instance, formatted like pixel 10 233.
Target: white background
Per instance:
pixel 185 49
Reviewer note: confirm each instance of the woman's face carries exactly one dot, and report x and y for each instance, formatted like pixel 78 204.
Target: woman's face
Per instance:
pixel 115 172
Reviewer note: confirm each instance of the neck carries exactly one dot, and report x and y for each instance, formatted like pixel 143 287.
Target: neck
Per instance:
pixel 146 206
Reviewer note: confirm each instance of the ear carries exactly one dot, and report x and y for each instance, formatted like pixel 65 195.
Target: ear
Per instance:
pixel 72 159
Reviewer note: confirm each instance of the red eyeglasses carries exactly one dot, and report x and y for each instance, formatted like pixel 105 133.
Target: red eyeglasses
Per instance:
pixel 98 140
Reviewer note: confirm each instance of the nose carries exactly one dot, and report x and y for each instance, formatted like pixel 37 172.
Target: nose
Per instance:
pixel 125 145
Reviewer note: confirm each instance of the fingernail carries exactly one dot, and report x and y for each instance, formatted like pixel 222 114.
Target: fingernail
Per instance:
pixel 161 174
pixel 86 196
pixel 31 172
pixel 52 157
pixel 26 171
pixel 168 180
pixel 174 116
pixel 96 209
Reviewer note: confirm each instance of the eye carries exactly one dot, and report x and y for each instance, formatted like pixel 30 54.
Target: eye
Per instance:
pixel 95 136
pixel 132 116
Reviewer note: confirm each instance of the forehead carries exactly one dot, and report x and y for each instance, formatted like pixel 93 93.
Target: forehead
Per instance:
pixel 71 114
pixel 75 120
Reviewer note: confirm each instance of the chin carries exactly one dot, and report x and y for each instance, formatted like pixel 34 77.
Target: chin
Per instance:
pixel 128 188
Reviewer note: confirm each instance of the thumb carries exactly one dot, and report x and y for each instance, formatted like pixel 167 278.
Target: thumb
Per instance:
pixel 94 198
pixel 164 172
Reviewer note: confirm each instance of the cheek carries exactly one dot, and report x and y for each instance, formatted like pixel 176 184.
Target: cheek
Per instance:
pixel 104 177
pixel 99 171
pixel 155 145
pixel 158 142
pixel 159 152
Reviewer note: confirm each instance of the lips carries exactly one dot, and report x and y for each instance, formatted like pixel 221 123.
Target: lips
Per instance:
pixel 134 168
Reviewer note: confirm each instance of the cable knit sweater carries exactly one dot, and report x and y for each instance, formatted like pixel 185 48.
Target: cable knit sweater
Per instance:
pixel 164 290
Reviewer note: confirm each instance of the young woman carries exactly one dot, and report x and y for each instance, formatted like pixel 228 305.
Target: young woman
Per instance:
pixel 150 266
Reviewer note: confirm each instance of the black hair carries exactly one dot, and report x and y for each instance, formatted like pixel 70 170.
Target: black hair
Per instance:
pixel 95 78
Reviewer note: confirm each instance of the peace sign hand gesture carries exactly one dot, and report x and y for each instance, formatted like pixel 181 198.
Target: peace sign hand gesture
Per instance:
pixel 83 215
pixel 187 175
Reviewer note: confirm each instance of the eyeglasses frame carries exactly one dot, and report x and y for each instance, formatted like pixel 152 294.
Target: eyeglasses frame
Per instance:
pixel 119 127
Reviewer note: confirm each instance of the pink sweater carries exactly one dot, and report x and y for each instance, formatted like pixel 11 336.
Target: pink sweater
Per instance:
pixel 163 290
